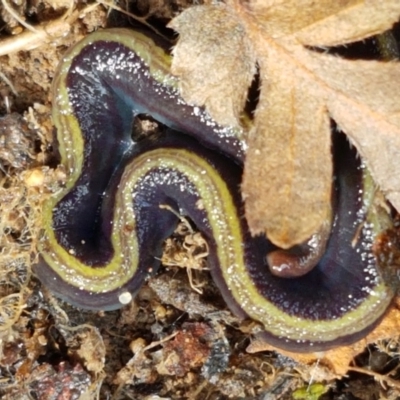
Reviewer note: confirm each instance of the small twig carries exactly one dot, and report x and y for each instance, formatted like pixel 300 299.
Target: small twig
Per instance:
pixel 181 218
pixel 8 83
pixel 379 377
pixel 158 342
pixel 16 16
pixel 43 33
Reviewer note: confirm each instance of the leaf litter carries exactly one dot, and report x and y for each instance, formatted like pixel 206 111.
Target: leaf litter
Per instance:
pixel 287 179
pixel 34 329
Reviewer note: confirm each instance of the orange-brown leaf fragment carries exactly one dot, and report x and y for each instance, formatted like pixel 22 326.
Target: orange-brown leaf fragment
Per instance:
pixel 214 60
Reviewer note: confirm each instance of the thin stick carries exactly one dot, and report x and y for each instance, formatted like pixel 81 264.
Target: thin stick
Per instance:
pixel 43 33
pixel 379 377
pixel 8 83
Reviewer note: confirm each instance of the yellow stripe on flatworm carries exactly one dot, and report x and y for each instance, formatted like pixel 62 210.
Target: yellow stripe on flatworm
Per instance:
pixel 68 130
pixel 215 197
pixel 222 213
pixel 216 200
pixel 223 218
pixel 70 136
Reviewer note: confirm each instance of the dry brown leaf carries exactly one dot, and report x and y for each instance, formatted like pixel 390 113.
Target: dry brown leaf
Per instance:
pixel 298 148
pixel 216 65
pixel 289 145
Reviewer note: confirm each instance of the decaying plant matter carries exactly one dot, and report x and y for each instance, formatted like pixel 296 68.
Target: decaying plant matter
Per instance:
pixel 288 171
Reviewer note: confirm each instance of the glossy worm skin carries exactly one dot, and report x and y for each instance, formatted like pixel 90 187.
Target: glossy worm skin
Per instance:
pixel 103 232
pixel 301 259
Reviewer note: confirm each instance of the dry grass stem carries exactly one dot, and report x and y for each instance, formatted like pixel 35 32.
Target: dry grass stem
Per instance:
pixel 42 34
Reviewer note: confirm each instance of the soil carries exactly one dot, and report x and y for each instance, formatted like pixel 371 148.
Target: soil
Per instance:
pixel 177 340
